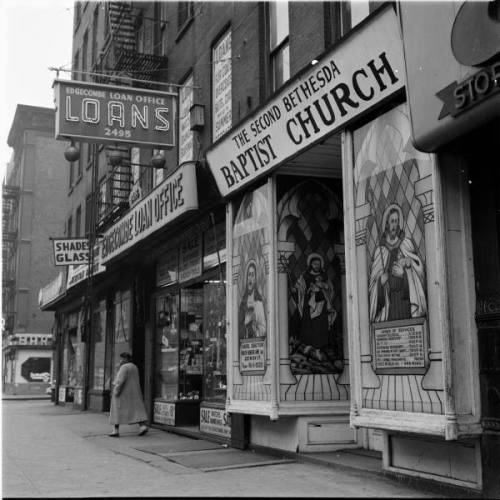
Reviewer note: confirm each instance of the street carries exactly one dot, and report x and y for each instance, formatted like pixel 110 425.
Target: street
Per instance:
pixel 54 451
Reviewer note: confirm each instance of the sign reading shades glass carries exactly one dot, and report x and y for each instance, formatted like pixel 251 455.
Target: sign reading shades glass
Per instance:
pixel 108 113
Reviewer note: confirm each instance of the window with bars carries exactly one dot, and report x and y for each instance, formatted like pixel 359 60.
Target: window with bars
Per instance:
pixel 279 43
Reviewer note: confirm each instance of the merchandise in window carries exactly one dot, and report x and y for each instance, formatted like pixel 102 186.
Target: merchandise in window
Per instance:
pixel 167 346
pixel 191 343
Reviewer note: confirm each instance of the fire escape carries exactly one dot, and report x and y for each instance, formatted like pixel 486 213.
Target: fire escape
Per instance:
pixel 10 195
pixel 121 60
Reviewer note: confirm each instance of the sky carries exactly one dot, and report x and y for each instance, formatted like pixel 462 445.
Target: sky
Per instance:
pixel 34 35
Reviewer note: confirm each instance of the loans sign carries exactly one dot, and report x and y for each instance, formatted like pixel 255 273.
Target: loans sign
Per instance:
pixel 176 195
pixel 363 70
pixel 71 251
pixel 108 113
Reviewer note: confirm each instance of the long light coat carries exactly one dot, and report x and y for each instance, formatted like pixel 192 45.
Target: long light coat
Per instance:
pixel 127 406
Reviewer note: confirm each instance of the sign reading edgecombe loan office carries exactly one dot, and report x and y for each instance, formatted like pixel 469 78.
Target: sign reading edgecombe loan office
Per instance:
pixel 109 113
pixel 176 195
pixel 363 70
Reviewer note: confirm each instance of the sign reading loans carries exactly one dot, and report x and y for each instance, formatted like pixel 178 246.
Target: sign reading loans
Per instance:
pixel 363 70
pixel 176 195
pixel 71 251
pixel 108 113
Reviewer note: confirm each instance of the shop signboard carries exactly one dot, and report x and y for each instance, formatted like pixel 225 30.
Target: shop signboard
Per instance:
pixel 164 413
pixel 71 251
pixel 458 91
pixel 357 74
pixel 190 257
pixel 175 196
pixel 78 273
pixel 111 114
pixel 186 135
pixel 216 421
pixel 221 85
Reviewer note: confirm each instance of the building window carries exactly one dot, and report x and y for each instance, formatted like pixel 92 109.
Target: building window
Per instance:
pixel 69 227
pixel 221 86
pixel 184 14
pixel 279 43
pixel 76 66
pixel 78 13
pixel 354 12
pixel 71 174
pixel 78 221
pixel 140 33
pixel 79 172
pixel 163 28
pixel 95 27
pixel 84 55
pixel 88 213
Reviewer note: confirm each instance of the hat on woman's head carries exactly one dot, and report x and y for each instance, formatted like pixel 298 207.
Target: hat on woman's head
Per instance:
pixel 126 355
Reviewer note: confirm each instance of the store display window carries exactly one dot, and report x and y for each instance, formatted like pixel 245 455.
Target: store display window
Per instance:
pixel 214 321
pixel 191 343
pixel 99 346
pixel 167 346
pixel 122 326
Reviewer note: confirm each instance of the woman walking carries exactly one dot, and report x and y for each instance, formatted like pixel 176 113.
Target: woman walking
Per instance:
pixel 127 406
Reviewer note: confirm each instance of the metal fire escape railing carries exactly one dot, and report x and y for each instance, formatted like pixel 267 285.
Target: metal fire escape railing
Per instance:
pixel 10 215
pixel 120 56
pixel 114 192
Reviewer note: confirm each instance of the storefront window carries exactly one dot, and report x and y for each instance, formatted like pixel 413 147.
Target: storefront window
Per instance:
pixel 167 346
pixel 122 330
pixel 191 343
pixel 310 220
pixel 99 346
pixel 214 325
pixel 251 242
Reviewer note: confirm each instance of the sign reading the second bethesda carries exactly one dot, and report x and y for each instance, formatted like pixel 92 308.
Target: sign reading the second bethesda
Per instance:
pixel 108 113
pixel 362 71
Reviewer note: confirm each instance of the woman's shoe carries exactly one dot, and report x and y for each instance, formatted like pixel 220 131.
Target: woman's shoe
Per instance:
pixel 114 434
pixel 143 429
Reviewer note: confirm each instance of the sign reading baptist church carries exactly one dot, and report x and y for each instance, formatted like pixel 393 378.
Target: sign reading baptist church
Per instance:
pixel 359 73
pixel 71 251
pixel 108 113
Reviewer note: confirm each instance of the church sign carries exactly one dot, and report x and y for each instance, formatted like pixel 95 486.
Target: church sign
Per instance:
pixel 359 73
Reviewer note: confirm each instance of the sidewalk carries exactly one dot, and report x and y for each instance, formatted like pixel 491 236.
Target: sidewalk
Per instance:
pixel 24 397
pixel 56 451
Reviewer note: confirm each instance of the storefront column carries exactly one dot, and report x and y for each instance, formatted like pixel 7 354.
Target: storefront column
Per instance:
pixel 433 379
pixel 344 378
pixel 368 377
pixel 285 249
pixel 234 267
